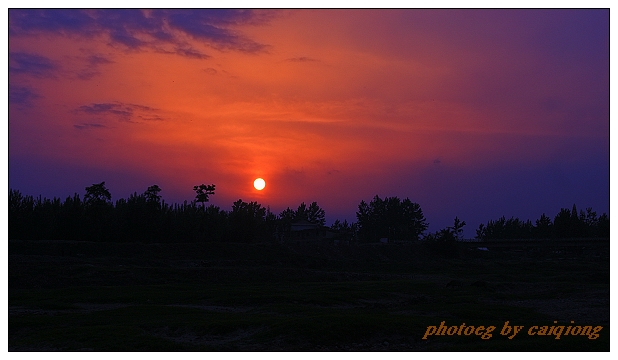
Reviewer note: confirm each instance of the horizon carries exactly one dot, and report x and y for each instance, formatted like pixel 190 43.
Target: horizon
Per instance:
pixel 195 202
pixel 470 113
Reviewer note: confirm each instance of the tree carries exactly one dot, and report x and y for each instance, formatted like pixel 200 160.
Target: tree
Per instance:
pixel 98 212
pixel 152 194
pixel 315 214
pixel 502 228
pixel 602 228
pixel 345 230
pixel 248 221
pixel 337 225
pixel 562 224
pixel 391 217
pixel 414 222
pixel 442 243
pixel 458 228
pixel 481 232
pixel 590 218
pixel 301 213
pixel 287 214
pixel 202 193
pixel 284 223
pixel 97 194
pixel 544 227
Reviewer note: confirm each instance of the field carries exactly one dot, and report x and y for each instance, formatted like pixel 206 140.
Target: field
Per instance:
pixel 87 296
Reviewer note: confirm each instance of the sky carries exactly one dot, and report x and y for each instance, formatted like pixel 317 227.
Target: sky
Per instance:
pixel 470 113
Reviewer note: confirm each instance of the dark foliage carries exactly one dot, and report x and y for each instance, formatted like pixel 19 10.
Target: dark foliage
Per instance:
pixel 390 218
pixel 567 224
pixel 443 243
pixel 141 217
pixel 202 193
pixel 147 218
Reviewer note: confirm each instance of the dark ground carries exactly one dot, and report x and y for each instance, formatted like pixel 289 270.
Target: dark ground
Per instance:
pixel 86 296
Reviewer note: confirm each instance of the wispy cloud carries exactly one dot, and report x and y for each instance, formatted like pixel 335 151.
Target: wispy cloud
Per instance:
pixel 301 59
pixel 191 53
pixel 93 64
pixel 136 29
pixel 89 126
pixel 107 108
pixel 98 59
pixel 51 20
pixel 210 26
pixel 31 64
pixel 121 111
pixel 22 95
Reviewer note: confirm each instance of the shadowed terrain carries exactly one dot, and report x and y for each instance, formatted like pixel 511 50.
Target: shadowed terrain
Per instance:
pixel 103 296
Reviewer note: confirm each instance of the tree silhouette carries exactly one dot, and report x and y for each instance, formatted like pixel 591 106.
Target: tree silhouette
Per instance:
pixel 602 228
pixel 152 194
pixel 458 228
pixel 247 221
pixel 481 232
pixel 392 218
pixel 97 194
pixel 301 213
pixel 562 224
pixel 146 217
pixel 568 223
pixel 202 193
pixel 544 227
pixel 98 211
pixel 443 242
pixel 314 213
pixel 344 230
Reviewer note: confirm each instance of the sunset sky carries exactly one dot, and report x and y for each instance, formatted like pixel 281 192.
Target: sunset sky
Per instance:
pixel 470 113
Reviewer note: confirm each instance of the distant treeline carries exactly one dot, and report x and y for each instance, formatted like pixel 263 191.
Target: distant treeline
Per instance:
pixel 566 224
pixel 147 218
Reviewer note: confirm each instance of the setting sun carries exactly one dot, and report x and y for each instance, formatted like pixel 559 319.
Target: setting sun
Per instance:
pixel 259 183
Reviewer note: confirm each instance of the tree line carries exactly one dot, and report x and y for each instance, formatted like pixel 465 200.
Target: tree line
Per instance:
pixel 566 224
pixel 146 217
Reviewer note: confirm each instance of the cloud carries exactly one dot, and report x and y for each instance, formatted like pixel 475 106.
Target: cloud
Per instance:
pixel 93 62
pixel 87 74
pixel 301 59
pixel 22 95
pixel 98 59
pixel 31 64
pixel 89 126
pixel 137 29
pixel 107 108
pixel 151 118
pixel 50 20
pixel 191 53
pixel 121 111
pixel 142 107
pixel 210 27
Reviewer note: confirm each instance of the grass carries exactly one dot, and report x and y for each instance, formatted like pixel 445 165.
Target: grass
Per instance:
pixel 67 296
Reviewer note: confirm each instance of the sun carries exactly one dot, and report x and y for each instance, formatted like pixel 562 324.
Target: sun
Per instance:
pixel 259 183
